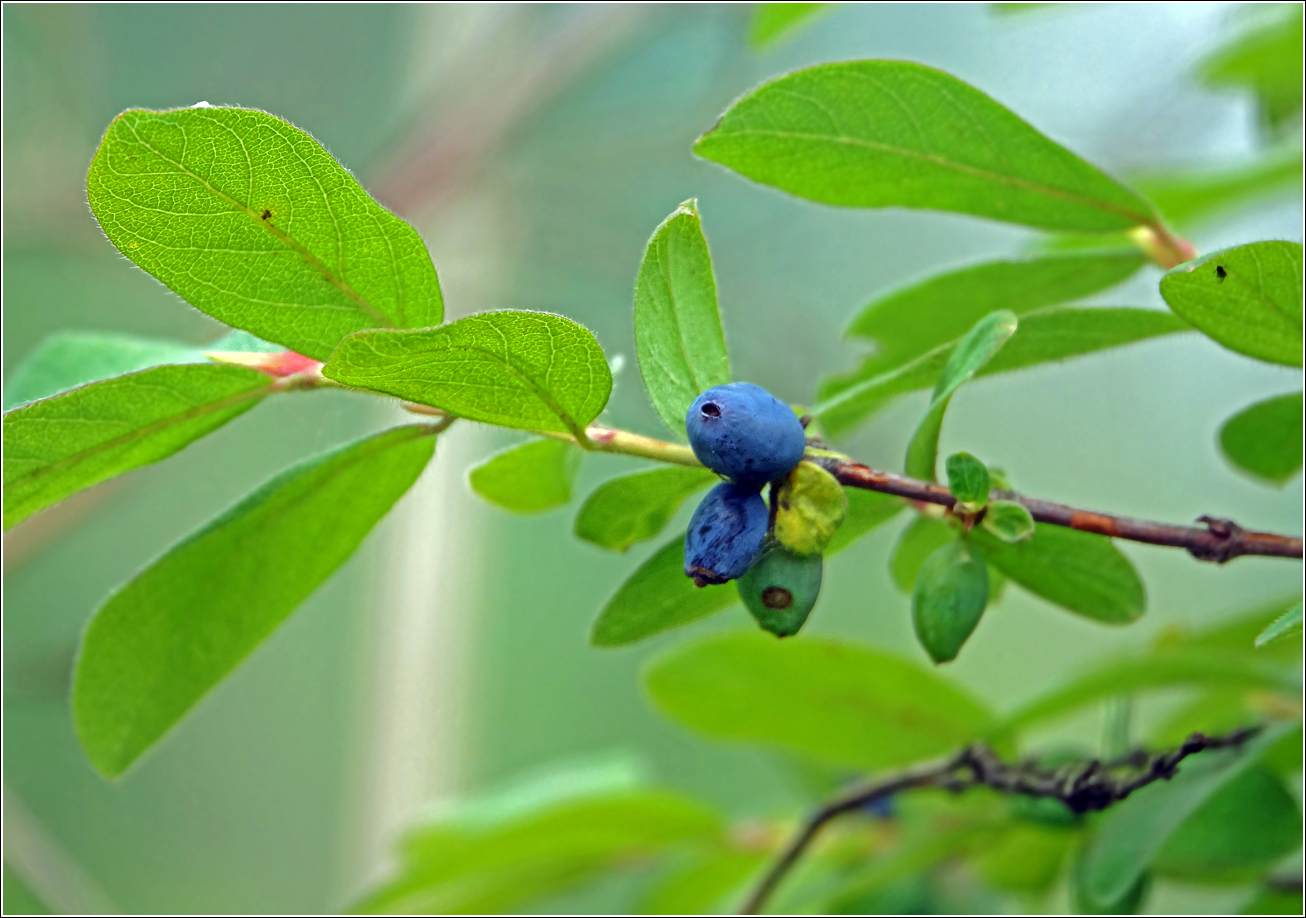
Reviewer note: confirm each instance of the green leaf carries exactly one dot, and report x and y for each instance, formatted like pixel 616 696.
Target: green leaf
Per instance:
pixel 1248 298
pixel 896 134
pixel 917 542
pixel 163 640
pixel 1008 521
pixel 69 359
pixel 455 867
pixel 1134 831
pixel 1053 334
pixel 635 507
pixel 974 350
pixel 1191 198
pixel 530 370
pixel 810 506
pixel 60 445
pixel 775 21
pixel 248 219
pixel 1288 623
pixel 528 478
pixel 866 511
pixel 658 596
pixel 952 589
pixel 1267 60
pixel 835 702
pixel 1239 831
pixel 1079 571
pixel 710 882
pixel 914 320
pixel 968 479
pixel 1265 439
pixel 1271 901
pixel 678 334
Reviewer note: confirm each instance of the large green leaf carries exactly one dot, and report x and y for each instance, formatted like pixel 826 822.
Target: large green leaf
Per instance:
pixel 1248 298
pixel 1042 337
pixel 658 596
pixel 635 507
pixel 1267 60
pixel 60 445
pixel 248 219
pixel 501 865
pixel 530 370
pixel 773 22
pixel 1265 439
pixel 1190 198
pixel 1079 571
pixel 911 321
pixel 678 335
pixel 69 359
pixel 975 349
pixel 163 640
pixel 867 510
pixel 529 478
pixel 1134 831
pixel 883 133
pixel 836 702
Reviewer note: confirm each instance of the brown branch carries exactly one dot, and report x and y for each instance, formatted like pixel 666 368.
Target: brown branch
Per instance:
pixel 1082 786
pixel 1219 541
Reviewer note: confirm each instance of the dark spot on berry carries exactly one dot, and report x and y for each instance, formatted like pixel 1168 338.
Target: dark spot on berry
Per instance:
pixel 711 409
pixel 704 530
pixel 267 215
pixel 777 598
pixel 1220 273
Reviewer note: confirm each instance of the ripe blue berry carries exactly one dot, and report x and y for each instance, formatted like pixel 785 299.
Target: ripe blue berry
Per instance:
pixel 744 433
pixel 725 534
pixel 781 587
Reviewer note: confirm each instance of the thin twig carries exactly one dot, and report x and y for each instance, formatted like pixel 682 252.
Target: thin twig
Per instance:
pixel 1082 786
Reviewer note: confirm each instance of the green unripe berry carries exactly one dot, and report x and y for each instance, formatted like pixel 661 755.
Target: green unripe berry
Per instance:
pixel 781 587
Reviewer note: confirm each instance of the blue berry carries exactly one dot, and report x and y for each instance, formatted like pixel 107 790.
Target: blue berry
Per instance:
pixel 725 534
pixel 744 433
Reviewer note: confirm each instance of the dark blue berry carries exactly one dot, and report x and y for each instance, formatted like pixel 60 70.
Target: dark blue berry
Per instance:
pixel 725 534
pixel 744 433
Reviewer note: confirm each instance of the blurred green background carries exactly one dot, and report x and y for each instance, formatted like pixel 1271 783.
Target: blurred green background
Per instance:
pixel 536 148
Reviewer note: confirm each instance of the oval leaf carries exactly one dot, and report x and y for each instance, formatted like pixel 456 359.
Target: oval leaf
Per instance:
pixel 63 444
pixel 968 479
pixel 897 134
pixel 844 704
pixel 248 219
pixel 160 643
pixel 635 507
pixel 678 335
pixel 952 589
pixel 1009 521
pixel 1079 571
pixel 529 370
pixel 1248 298
pixel 528 478
pixel 1265 439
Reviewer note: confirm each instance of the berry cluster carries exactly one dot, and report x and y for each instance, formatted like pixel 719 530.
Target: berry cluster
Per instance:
pixel 751 438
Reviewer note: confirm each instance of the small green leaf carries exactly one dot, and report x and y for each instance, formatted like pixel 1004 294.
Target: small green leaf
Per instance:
pixel 248 219
pixel 678 335
pixel 916 543
pixel 1079 571
pixel 916 319
pixel 163 640
pixel 810 506
pixel 60 445
pixel 528 478
pixel 866 511
pixel 70 359
pixel 1265 439
pixel 1236 834
pixel 836 702
pixel 1248 298
pixel 968 480
pixel 1009 521
pixel 1050 335
pixel 1267 60
pixel 1286 624
pixel 974 350
pixel 635 507
pixel 529 370
pixel 881 133
pixel 658 596
pixel 773 22
pixel 952 589
pixel 1134 831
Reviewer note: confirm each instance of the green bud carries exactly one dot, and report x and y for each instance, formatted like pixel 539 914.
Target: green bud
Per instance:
pixel 781 587
pixel 1009 521
pixel 810 506
pixel 968 480
pixel 951 592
